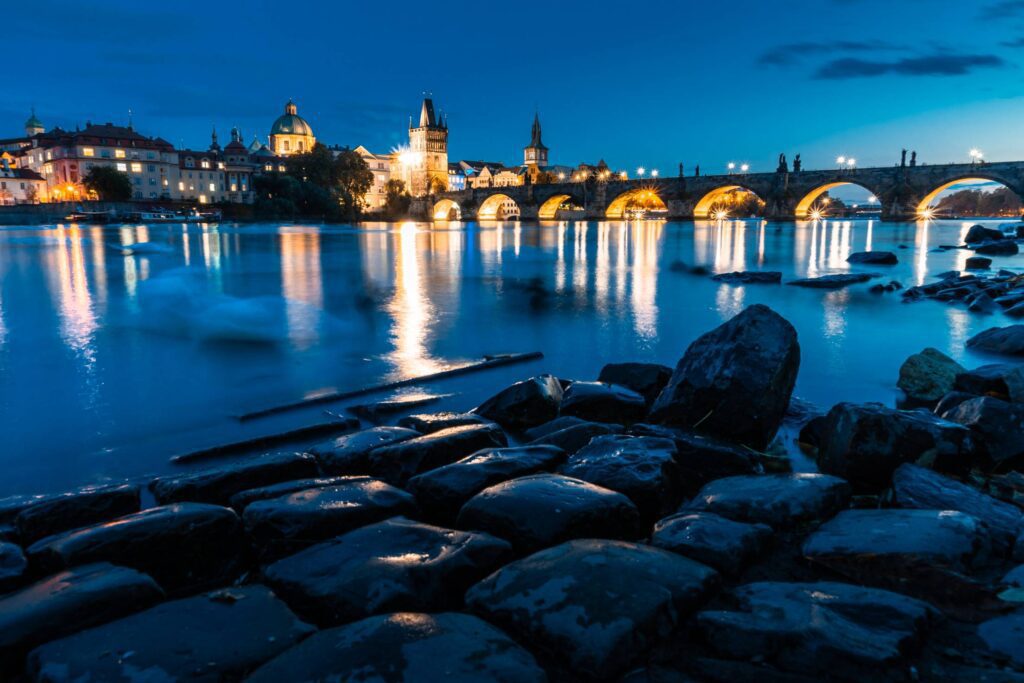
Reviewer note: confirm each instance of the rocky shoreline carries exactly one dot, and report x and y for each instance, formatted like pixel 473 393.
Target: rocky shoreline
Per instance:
pixel 641 527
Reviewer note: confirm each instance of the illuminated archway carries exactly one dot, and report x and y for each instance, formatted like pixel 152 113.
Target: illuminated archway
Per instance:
pixel 636 202
pixel 720 200
pixel 447 210
pixel 925 208
pixel 498 207
pixel 813 205
pixel 549 209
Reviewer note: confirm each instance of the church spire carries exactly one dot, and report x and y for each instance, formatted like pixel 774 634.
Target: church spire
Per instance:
pixel 535 131
pixel 214 145
pixel 427 117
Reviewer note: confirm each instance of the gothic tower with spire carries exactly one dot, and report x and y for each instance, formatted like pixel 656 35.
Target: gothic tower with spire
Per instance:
pixel 535 154
pixel 428 158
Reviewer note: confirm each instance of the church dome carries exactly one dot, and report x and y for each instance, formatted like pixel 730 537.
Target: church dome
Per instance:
pixel 290 123
pixel 33 123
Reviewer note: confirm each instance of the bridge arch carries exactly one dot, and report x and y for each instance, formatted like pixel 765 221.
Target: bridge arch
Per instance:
pixel 498 207
pixel 447 210
pixel 924 208
pixel 809 207
pixel 708 205
pixel 641 199
pixel 549 207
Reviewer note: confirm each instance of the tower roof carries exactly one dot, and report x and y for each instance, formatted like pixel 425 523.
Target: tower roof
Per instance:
pixel 427 117
pixel 290 123
pixel 33 121
pixel 535 140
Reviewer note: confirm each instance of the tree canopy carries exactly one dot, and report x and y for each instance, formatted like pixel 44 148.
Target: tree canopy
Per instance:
pixel 108 183
pixel 322 183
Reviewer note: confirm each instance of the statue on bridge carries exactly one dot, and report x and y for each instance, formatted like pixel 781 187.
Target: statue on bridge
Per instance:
pixel 913 159
pixel 680 169
pixel 903 159
pixel 797 164
pixel 783 164
pixel 696 172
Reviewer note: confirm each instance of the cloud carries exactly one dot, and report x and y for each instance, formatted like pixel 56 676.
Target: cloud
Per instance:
pixel 791 53
pixel 1015 43
pixel 930 65
pixel 1002 9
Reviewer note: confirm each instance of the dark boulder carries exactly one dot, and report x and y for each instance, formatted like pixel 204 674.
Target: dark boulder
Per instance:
pixel 524 404
pixel 950 401
pixel 867 442
pixel 834 630
pixel 813 434
pixel 575 437
pixel 429 423
pixel 456 648
pixel 220 636
pixel 443 491
pixel 875 258
pixel 640 467
pixel 556 425
pixel 284 525
pixel 702 458
pixel 398 462
pixel 979 233
pixel 780 500
pixel 1004 340
pixel 718 542
pixel 599 402
pixel 395 565
pixel 13 566
pixel 734 382
pixel 981 303
pixel 378 411
pixel 592 608
pixel 997 248
pixel 216 485
pixel 55 513
pixel 928 376
pixel 978 263
pixel 184 546
pixel 542 510
pixel 1004 636
pixel 350 453
pixel 749 277
pixel 833 281
pixel 241 500
pixel 996 426
pixel 646 379
pixel 998 379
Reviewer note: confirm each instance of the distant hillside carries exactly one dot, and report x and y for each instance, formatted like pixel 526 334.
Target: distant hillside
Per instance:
pixel 999 202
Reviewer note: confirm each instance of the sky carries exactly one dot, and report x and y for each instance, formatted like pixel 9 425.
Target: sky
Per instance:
pixel 646 84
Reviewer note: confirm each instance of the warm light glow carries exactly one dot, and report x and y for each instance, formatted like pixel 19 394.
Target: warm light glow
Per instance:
pixel 721 215
pixel 840 160
pixel 731 166
pixel 624 175
pixel 641 170
pixel 745 167
pixel 654 173
pixel 851 162
pixel 816 215
pixel 561 176
pixel 872 199
pixel 926 214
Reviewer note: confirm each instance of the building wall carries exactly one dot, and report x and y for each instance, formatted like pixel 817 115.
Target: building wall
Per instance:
pixel 151 171
pixel 430 159
pixel 20 190
pixel 286 145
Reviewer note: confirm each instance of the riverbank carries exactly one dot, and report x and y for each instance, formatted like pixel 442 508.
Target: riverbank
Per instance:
pixel 644 525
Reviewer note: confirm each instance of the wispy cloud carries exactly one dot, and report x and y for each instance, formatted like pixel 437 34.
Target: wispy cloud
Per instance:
pixel 929 65
pixel 1002 9
pixel 792 53
pixel 1015 43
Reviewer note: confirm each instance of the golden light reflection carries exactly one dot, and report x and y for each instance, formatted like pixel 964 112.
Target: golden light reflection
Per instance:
pixel 70 285
pixel 646 246
pixel 411 311
pixel 921 247
pixel 730 246
pixel 302 283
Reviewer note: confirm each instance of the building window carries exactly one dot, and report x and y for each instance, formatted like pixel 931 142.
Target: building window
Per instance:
pixel 205 163
pixel 88 152
pixel 122 167
pixel 136 168
pixel 181 187
pixel 213 187
pixel 119 153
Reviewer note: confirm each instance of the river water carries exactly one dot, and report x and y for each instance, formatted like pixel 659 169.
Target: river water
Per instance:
pixel 110 361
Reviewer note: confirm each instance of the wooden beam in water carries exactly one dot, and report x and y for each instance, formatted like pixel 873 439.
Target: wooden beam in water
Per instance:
pixel 269 440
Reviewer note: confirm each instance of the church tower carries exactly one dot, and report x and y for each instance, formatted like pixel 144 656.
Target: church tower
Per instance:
pixel 34 126
pixel 535 154
pixel 428 144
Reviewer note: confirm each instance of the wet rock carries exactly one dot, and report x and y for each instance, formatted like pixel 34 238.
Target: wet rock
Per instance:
pixel 749 277
pixel 833 281
pixel 640 467
pixel 599 402
pixel 524 404
pixel 734 382
pixel 923 489
pixel 981 303
pixel 395 565
pixel 813 434
pixel 950 401
pixel 979 233
pixel 67 602
pixel 928 376
pixel 779 500
pixel 1015 577
pixel 996 426
pixel 573 438
pixel 1016 311
pixel 443 491
pixel 997 248
pixel 396 463
pixel 646 379
pixel 835 630
pixel 456 647
pixel 702 458
pixel 13 566
pixel 429 423
pixel 718 542
pixel 37 516
pixel 380 410
pixel 1004 340
pixel 241 500
pixel 350 453
pixel 217 485
pixel 545 509
pixel 866 443
pixel 284 525
pixel 219 636
pixel 182 546
pixel 1005 637
pixel 977 263
pixel 593 607
pixel 879 258
pixel 998 379
pixel 556 425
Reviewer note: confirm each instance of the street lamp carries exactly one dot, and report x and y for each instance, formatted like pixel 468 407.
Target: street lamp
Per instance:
pixel 731 167
pixel 745 167
pixel 851 162
pixel 640 171
pixel 840 161
pixel 654 173
pixel 561 175
pixel 872 199
pixel 624 175
pixel 976 156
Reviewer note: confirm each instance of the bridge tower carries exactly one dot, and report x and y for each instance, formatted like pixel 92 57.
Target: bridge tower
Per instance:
pixel 535 154
pixel 428 143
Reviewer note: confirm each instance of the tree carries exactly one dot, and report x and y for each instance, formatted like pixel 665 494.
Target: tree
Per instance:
pixel 109 184
pixel 354 179
pixel 397 200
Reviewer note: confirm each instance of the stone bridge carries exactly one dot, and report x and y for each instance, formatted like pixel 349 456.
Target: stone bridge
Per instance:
pixel 903 191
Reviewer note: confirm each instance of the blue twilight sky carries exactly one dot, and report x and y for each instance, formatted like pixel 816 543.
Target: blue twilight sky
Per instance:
pixel 651 83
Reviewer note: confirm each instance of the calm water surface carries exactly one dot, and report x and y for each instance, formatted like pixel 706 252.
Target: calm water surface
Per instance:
pixel 110 361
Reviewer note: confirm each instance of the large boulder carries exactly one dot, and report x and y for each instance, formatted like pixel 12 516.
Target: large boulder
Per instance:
pixel 13 566
pixel 243 499
pixel 1003 340
pixel 979 233
pixel 865 443
pixel 600 402
pixel 734 382
pixel 545 509
pixel 779 500
pixel 46 515
pixel 997 379
pixel 216 485
pixel 591 608
pixel 184 546
pixel 456 648
pixel 977 263
pixel 837 281
pixel 394 565
pixel 220 636
pixel 744 277
pixel 525 404
pixel 875 258
pixel 1004 636
pixel 398 462
pixel 428 423
pixel 997 248
pixel 350 453
pixel 646 379
pixel 718 542
pixel 558 424
pixel 702 458
pixel 575 437
pixel 834 630
pixel 928 376
pixel 996 426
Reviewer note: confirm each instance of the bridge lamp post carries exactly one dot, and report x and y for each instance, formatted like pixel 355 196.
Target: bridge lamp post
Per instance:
pixel 732 167
pixel 851 163
pixel 624 175
pixel 654 173
pixel 840 161
pixel 561 176
pixel 640 171
pixel 976 156
pixel 745 167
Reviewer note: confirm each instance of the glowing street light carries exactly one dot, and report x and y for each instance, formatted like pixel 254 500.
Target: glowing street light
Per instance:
pixel 976 156
pixel 851 162
pixel 561 175
pixel 745 167
pixel 624 175
pixel 654 173
pixel 872 199
pixel 640 171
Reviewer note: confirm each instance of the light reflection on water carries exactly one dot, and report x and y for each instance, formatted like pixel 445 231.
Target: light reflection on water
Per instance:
pixel 82 341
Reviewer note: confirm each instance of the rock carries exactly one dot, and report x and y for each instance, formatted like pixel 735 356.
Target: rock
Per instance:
pixel 457 648
pixel 998 379
pixel 979 233
pixel 734 382
pixel 183 546
pixel 380 410
pixel 878 258
pixel 920 488
pixel 281 526
pixel 398 462
pixel 67 602
pixel 977 263
pixel 640 467
pixel 593 607
pixel 13 566
pixel 866 443
pixel 835 630
pixel 599 402
pixel 812 434
pixel 220 636
pixel 702 458
pixel 833 281
pixel 997 248
pixel 1005 340
pixel 1005 637
pixel 435 422
pixel 542 510
pixel 443 491
pixel 1016 311
pixel 37 516
pixel 996 426
pixel 950 401
pixel 573 438
pixel 556 425
pixel 779 500
pixel 241 500
pixel 710 539
pixel 395 565
pixel 350 453
pixel 981 303
pixel 524 404
pixel 646 379
pixel 749 277
pixel 1015 577
pixel 928 376
pixel 217 485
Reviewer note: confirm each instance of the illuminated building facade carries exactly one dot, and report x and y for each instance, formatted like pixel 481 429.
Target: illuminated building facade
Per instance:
pixel 535 154
pixel 20 185
pixel 380 165
pixel 427 159
pixel 291 134
pixel 217 175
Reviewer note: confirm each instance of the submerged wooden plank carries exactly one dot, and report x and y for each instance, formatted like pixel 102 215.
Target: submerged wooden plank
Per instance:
pixel 269 440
